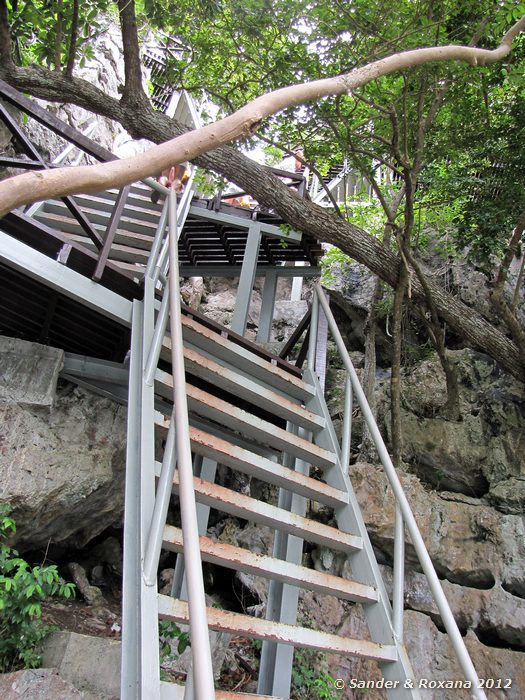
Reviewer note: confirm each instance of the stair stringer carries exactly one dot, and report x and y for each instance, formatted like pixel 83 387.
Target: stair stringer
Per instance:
pixel 363 563
pixel 140 656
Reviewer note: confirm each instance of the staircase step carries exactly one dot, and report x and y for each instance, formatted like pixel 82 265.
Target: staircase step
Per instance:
pixel 255 628
pixel 232 557
pixel 136 208
pixel 264 469
pixel 175 691
pixel 240 358
pixel 246 389
pixel 98 218
pixel 67 224
pixel 246 508
pixel 118 253
pixel 226 414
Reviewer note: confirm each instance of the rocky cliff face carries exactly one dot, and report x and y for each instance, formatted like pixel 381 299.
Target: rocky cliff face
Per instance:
pixel 62 451
pixel 465 482
pixel 62 466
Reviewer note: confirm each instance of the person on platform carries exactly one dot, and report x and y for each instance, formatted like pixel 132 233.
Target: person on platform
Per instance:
pixel 176 176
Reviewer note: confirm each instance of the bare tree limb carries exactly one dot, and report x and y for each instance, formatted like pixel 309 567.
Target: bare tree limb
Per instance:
pixel 133 92
pixel 6 47
pixel 35 186
pixel 73 38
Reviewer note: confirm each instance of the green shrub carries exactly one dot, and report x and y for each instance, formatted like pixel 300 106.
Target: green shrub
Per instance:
pixel 310 680
pixel 22 589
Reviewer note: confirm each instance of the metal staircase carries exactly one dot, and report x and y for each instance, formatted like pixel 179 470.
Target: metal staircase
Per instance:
pixel 221 403
pixel 198 398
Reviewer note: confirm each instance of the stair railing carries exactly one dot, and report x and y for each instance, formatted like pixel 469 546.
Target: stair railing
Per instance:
pixel 85 145
pixel 404 515
pixel 177 448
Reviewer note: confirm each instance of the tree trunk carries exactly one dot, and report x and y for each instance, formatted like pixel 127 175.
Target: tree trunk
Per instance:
pixel 272 193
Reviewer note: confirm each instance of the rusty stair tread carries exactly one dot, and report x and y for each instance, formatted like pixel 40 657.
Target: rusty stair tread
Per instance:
pixel 226 414
pixel 227 379
pixel 58 212
pixel 134 229
pixel 240 358
pixel 264 469
pixel 256 628
pixel 240 559
pixel 175 691
pixel 247 508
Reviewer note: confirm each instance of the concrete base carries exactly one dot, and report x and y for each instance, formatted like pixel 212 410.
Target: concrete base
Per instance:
pixel 28 372
pixel 89 663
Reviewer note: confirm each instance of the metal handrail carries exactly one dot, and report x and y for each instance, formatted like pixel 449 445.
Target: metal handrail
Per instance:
pixel 178 445
pixel 404 514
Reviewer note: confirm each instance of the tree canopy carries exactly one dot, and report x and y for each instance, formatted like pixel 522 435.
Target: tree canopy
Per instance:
pixel 439 140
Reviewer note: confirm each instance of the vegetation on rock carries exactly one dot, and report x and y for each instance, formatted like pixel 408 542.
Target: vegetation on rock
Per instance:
pixel 22 589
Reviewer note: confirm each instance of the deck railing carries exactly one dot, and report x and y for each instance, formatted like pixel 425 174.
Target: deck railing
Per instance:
pixel 85 146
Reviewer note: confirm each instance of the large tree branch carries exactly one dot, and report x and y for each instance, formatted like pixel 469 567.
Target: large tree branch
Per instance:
pixel 51 183
pixel 304 215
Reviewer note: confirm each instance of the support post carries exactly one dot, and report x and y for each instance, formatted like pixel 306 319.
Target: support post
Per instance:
pixel 347 424
pixel 247 279
pixel 131 576
pixel 297 283
pixel 275 669
pixel 399 575
pixel 267 307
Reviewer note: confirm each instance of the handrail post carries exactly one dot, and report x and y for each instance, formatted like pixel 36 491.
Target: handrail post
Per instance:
pixel 312 338
pixel 158 337
pixel 160 511
pixel 347 424
pixel 200 641
pixel 398 592
pixel 157 242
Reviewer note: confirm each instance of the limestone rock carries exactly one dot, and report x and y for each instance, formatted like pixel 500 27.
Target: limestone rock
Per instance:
pixel 220 306
pixel 62 468
pixel 28 372
pixel 472 456
pixel 91 594
pixel 469 544
pixel 286 318
pixel 433 659
pixel 41 684
pixel 446 454
pixel 494 614
pixel 509 496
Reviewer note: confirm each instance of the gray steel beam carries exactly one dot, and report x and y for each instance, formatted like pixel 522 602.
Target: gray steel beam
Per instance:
pixel 275 669
pixel 241 222
pixel 149 631
pixel 246 280
pixel 131 576
pixel 267 307
pixel 68 282
pixel 235 271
